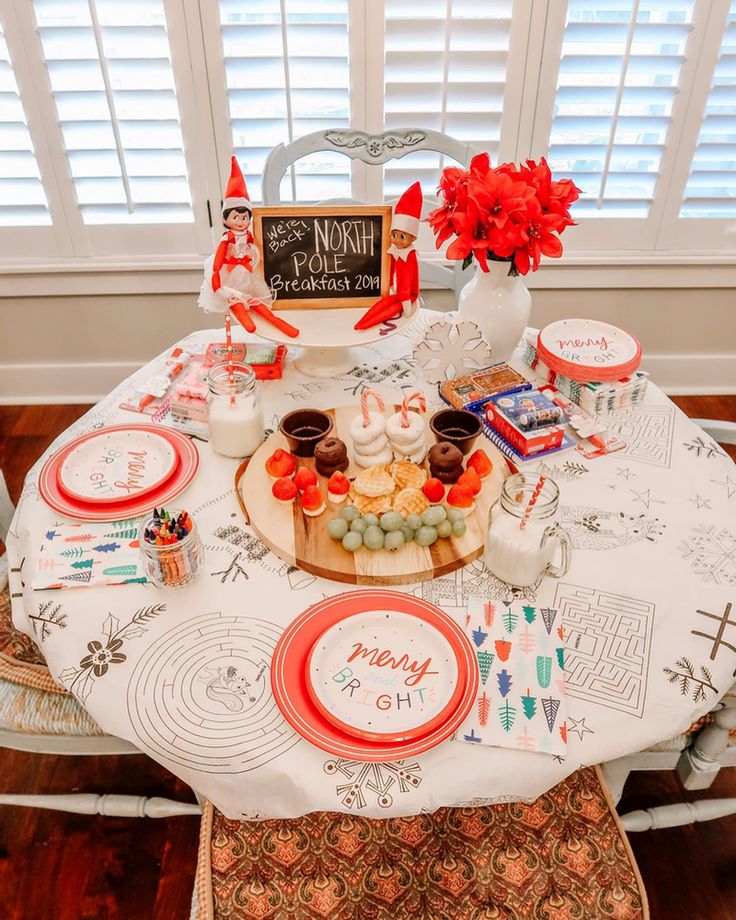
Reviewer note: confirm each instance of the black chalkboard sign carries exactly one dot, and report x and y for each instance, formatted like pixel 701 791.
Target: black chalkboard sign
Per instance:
pixel 324 256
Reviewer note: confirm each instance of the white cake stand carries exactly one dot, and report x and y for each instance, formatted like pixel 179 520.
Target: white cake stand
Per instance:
pixel 327 338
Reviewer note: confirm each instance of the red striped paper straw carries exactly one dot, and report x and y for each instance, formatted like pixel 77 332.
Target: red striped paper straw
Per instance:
pixel 421 404
pixel 364 397
pixel 230 371
pixel 532 501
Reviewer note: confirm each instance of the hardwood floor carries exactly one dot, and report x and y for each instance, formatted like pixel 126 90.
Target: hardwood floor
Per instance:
pixel 75 867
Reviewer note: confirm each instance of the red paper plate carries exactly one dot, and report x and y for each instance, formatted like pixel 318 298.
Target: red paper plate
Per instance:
pixel 186 468
pixel 289 679
pixel 588 350
pixel 96 464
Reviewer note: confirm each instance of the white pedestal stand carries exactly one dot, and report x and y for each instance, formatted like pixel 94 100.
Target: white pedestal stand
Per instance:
pixel 327 338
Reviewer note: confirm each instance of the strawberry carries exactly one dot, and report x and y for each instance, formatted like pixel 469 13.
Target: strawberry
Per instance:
pixel 461 497
pixel 480 462
pixel 305 478
pixel 281 463
pixel 434 490
pixel 313 501
pixel 338 487
pixel 471 479
pixel 284 490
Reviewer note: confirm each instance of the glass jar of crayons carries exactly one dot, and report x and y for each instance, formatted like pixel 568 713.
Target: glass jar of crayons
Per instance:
pixel 171 548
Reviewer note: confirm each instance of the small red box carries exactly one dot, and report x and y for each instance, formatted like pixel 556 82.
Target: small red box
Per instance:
pixel 526 442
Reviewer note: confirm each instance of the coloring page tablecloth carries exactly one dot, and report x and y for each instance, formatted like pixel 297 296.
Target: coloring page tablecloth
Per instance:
pixel 649 645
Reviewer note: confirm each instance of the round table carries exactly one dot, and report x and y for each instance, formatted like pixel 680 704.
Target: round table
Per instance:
pixel 650 643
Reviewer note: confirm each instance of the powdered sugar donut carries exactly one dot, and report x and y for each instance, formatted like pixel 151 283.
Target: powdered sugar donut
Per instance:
pixel 375 447
pixel 385 455
pixel 417 449
pixel 400 436
pixel 366 435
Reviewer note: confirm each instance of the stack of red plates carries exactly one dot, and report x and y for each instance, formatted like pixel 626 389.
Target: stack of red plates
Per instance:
pixel 118 473
pixel 374 675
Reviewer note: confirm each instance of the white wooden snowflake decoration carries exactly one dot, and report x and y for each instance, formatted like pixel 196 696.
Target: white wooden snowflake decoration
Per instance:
pixel 451 350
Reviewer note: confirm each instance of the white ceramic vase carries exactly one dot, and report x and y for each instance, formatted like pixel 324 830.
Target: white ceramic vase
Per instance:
pixel 499 305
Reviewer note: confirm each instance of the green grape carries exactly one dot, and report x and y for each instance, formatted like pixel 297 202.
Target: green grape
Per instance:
pixel 444 529
pixel 408 533
pixel 455 514
pixel 352 541
pixel 394 540
pixel 414 521
pixel 459 528
pixel 392 520
pixel 337 528
pixel 349 513
pixel 373 537
pixel 432 516
pixel 359 526
pixel 426 536
pixel 371 519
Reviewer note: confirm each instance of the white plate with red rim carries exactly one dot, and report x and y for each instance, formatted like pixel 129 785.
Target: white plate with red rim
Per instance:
pixel 117 465
pixel 588 350
pixel 383 675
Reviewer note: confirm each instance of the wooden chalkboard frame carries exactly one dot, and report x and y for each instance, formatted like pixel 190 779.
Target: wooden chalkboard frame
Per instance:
pixel 338 301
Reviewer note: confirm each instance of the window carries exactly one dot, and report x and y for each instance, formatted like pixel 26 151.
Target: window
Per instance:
pixel 118 117
pixel 23 200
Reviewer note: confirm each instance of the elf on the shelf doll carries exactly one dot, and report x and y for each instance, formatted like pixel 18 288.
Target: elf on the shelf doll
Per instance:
pixel 231 281
pixel 404 284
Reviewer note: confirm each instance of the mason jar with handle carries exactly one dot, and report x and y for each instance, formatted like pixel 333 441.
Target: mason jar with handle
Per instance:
pixel 520 555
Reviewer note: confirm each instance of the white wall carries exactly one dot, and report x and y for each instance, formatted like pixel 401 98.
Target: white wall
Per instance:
pixel 76 348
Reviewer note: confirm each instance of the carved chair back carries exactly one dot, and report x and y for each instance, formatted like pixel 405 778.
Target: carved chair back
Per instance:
pixel 374 150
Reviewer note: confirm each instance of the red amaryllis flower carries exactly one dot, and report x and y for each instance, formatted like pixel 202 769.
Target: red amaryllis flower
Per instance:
pixel 539 229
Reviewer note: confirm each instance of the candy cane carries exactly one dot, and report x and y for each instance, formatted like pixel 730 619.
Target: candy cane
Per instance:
pixel 230 371
pixel 532 501
pixel 365 396
pixel 421 403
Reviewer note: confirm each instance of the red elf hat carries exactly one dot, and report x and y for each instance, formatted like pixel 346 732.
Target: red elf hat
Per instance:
pixel 408 210
pixel 236 194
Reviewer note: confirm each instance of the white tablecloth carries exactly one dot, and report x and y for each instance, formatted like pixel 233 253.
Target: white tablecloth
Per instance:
pixel 654 563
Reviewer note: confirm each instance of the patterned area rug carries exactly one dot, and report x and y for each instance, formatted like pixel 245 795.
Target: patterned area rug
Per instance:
pixel 565 857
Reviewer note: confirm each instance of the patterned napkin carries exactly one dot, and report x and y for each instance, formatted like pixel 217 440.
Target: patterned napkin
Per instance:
pixel 75 555
pixel 521 694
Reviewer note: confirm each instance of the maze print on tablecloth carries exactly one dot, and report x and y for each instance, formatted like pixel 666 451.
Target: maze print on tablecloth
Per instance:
pixel 608 641
pixel 647 431
pixel 200 696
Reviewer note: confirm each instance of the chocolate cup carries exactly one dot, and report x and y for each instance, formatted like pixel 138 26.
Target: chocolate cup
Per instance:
pixel 303 428
pixel 458 426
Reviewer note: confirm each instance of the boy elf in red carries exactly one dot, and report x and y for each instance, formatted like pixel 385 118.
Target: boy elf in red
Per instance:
pixel 231 282
pixel 404 284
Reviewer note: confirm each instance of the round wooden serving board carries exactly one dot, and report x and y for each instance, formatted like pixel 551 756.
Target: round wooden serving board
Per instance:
pixel 303 541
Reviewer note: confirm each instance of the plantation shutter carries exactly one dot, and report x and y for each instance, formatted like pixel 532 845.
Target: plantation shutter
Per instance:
pixel 23 200
pixel 446 64
pixel 286 74
pixel 711 186
pixel 110 74
pixel 619 76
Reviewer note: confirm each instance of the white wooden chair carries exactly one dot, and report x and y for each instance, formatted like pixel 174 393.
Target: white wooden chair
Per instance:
pixel 374 150
pixel 38 716
pixel 697 756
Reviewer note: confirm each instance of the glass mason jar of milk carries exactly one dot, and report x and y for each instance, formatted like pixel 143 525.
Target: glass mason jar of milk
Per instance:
pixel 234 411
pixel 521 555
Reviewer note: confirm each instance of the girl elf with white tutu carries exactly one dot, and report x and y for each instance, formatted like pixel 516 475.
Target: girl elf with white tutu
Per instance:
pixel 232 283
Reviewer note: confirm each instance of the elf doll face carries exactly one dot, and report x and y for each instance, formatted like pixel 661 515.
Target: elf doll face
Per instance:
pixel 238 219
pixel 401 239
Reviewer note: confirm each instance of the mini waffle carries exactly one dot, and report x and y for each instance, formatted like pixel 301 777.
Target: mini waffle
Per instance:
pixel 411 501
pixel 376 505
pixel 374 481
pixel 408 475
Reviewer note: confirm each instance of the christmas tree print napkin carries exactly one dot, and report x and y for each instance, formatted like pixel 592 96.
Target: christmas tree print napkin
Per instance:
pixel 521 692
pixel 75 555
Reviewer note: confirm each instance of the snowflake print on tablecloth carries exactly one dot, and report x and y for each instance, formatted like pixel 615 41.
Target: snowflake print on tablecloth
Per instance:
pixel 451 350
pixel 711 552
pixel 378 778
pixel 102 654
